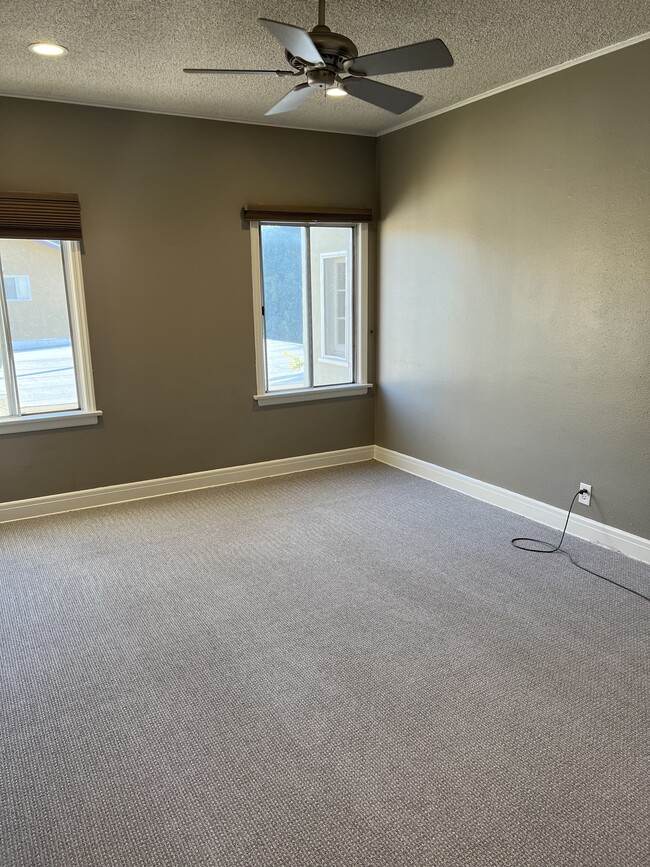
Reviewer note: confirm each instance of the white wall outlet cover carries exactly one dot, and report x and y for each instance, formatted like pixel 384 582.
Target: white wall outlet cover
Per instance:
pixel 585 499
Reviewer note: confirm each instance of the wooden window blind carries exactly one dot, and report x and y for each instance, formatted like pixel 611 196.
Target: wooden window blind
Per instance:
pixel 284 214
pixel 47 216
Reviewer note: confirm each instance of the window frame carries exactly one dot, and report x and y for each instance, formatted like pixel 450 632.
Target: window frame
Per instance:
pixel 87 414
pixel 359 330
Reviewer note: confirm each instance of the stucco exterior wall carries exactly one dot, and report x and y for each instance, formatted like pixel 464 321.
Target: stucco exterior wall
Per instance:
pixel 44 317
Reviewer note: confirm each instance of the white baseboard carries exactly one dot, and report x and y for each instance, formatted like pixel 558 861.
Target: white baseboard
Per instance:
pixel 584 528
pixel 68 502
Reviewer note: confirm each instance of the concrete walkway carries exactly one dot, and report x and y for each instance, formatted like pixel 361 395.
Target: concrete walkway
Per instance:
pixel 46 380
pixel 281 357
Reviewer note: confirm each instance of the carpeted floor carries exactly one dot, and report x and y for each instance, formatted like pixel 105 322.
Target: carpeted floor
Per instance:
pixel 347 667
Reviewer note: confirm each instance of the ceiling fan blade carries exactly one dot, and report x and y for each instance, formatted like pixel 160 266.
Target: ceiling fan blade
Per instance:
pixel 241 72
pixel 297 42
pixel 292 100
pixel 432 54
pixel 382 95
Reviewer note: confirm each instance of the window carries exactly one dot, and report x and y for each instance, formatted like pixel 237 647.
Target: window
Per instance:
pixel 310 295
pixel 336 312
pixel 45 374
pixel 17 287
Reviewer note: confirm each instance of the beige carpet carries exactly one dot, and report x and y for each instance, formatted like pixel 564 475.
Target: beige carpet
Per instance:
pixel 348 667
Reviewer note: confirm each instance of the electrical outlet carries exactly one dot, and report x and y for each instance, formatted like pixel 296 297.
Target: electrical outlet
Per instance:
pixel 585 499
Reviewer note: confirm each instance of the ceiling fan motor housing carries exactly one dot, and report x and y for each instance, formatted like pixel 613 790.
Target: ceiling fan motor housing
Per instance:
pixel 334 48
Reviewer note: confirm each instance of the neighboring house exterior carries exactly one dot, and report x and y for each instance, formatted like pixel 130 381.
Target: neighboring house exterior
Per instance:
pixel 35 289
pixel 331 286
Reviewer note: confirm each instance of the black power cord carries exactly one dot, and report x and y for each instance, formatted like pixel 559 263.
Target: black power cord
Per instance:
pixel 558 549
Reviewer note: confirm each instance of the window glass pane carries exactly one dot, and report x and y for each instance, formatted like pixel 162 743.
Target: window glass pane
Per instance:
pixel 332 270
pixel 283 269
pixel 40 326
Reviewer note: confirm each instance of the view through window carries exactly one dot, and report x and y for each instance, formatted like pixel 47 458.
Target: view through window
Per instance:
pixel 37 366
pixel 308 285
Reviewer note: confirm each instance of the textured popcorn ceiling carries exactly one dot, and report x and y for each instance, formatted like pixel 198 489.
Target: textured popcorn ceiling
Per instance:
pixel 130 53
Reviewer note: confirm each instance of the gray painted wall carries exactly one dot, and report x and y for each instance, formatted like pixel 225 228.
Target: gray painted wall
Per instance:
pixel 514 325
pixel 168 288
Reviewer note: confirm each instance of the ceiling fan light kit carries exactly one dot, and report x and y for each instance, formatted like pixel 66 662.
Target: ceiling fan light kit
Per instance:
pixel 330 62
pixel 336 90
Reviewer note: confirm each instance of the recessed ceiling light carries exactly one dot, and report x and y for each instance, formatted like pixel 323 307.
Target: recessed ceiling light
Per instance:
pixel 335 90
pixel 48 49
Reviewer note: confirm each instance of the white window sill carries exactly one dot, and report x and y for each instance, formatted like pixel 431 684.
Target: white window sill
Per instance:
pixel 47 421
pixel 297 395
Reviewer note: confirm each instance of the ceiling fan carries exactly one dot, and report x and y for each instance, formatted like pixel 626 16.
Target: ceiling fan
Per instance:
pixel 331 63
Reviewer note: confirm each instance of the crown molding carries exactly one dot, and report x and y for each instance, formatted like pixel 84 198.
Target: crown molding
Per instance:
pixel 528 78
pixel 139 110
pixel 592 55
